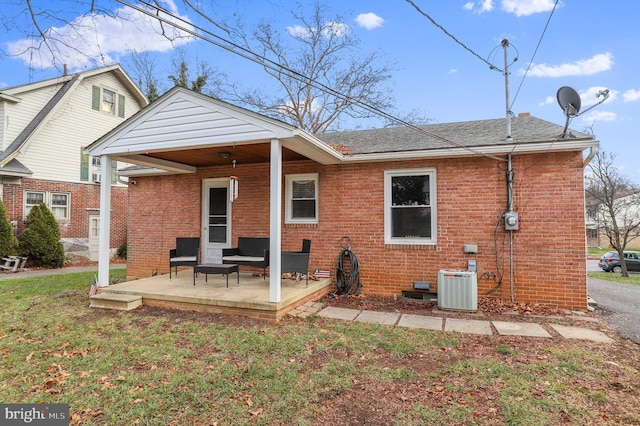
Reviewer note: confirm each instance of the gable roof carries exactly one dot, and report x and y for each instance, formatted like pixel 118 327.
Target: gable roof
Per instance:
pixel 12 94
pixel 182 119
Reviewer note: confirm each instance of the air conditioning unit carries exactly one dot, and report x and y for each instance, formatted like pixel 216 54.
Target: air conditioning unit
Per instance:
pixel 458 290
pixel 96 177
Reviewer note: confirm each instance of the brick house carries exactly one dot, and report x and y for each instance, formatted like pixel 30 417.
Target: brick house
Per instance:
pixel 409 199
pixel 44 127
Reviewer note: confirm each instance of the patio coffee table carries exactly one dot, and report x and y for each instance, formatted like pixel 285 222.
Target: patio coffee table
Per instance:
pixel 211 268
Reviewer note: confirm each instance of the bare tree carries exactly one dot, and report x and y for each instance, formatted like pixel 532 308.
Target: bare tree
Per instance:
pixel 206 75
pixel 74 32
pixel 321 76
pixel 144 70
pixel 319 70
pixel 617 201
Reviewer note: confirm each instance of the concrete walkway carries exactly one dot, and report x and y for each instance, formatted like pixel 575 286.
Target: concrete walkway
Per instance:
pixel 470 326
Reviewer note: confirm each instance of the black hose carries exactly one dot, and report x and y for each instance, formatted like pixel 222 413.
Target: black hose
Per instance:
pixel 347 273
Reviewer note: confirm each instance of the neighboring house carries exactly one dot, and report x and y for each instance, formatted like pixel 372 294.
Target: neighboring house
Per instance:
pixel 413 202
pixel 627 212
pixel 43 128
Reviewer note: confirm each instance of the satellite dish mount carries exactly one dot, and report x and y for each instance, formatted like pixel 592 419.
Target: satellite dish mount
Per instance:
pixel 570 102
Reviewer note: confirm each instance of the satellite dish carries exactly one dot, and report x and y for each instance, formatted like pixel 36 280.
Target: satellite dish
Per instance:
pixel 569 101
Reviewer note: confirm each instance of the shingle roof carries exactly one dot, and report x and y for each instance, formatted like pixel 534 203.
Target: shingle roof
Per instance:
pixel 473 134
pixel 15 168
pixel 35 122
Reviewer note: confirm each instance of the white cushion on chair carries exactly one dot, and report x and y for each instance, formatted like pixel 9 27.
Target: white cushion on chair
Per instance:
pixel 243 259
pixel 183 259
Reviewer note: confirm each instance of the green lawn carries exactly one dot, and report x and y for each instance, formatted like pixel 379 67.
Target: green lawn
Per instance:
pixel 155 367
pixel 595 252
pixel 633 279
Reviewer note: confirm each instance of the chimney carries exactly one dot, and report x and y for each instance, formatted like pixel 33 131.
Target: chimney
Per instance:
pixel 65 69
pixel 524 114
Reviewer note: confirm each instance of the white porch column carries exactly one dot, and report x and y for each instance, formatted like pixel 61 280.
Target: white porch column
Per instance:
pixel 275 216
pixel 105 221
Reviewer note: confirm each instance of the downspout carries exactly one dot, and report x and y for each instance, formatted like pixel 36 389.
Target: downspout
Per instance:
pixel 592 153
pixel 585 163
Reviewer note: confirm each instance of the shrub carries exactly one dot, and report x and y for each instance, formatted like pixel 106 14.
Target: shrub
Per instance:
pixel 40 240
pixel 122 250
pixel 8 241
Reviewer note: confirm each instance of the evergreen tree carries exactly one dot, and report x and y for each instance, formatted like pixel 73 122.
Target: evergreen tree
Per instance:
pixel 8 241
pixel 40 240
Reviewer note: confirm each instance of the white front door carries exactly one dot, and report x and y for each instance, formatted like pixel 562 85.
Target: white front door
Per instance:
pixel 216 219
pixel 94 237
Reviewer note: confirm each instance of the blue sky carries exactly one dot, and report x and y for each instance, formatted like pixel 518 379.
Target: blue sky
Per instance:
pixel 588 45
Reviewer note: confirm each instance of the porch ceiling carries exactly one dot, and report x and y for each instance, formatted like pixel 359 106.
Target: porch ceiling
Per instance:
pixel 212 156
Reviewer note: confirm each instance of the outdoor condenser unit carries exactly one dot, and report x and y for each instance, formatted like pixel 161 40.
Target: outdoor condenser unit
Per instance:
pixel 457 290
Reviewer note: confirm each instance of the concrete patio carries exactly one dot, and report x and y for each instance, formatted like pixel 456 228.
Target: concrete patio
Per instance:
pixel 249 298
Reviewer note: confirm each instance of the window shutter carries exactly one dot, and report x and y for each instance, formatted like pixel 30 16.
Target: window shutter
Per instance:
pixel 95 101
pixel 84 166
pixel 121 106
pixel 114 169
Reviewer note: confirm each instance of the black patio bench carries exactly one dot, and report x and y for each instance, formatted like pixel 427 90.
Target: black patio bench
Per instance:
pixel 251 251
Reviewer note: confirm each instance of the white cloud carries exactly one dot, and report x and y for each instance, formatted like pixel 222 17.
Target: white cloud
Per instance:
pixel 547 101
pixel 598 63
pixel 593 116
pixel 631 95
pixel 335 28
pixel 330 29
pixel 299 31
pixel 369 20
pixel 527 7
pixel 453 71
pixel 593 95
pixel 100 39
pixel 479 6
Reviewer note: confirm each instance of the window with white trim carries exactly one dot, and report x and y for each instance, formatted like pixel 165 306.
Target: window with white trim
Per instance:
pixel 301 195
pixel 59 203
pixel 108 101
pixel 410 210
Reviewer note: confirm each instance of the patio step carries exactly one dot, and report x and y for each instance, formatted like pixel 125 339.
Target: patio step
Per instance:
pixel 121 302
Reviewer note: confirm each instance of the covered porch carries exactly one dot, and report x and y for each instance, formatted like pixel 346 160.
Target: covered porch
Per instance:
pixel 249 298
pixel 187 154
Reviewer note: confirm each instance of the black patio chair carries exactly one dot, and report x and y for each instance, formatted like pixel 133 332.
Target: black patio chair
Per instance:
pixel 297 261
pixel 186 253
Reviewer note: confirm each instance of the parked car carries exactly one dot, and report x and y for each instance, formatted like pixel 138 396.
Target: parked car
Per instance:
pixel 611 261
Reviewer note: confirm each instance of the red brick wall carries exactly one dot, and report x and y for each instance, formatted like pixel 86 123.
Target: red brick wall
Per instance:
pixel 85 202
pixel 471 198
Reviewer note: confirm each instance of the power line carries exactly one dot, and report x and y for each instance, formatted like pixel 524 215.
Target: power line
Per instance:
pixel 426 15
pixel 268 63
pixel 534 53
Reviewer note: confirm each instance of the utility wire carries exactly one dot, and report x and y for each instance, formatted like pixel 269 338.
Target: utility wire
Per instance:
pixel 534 54
pixel 426 15
pixel 268 63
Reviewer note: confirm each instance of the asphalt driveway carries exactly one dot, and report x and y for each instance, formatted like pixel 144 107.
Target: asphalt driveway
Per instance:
pixel 619 304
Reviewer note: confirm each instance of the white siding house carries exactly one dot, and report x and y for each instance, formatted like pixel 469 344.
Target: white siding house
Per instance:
pixel 44 127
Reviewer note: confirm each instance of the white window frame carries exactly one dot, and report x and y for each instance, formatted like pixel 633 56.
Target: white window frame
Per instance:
pixel 27 207
pixel 47 197
pixel 289 180
pixel 104 103
pixel 388 175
